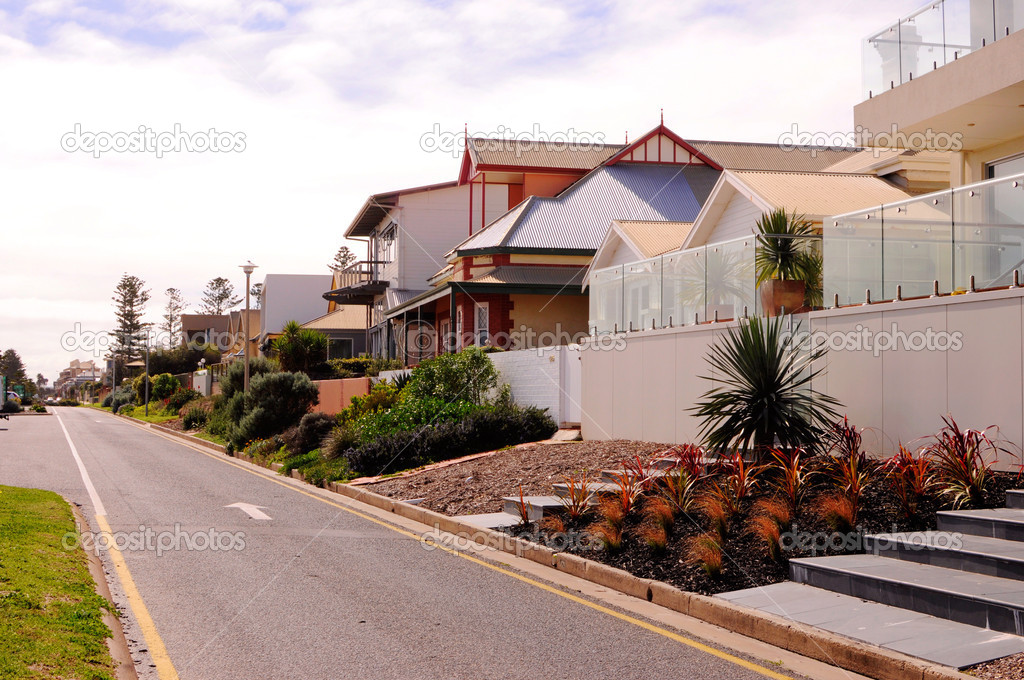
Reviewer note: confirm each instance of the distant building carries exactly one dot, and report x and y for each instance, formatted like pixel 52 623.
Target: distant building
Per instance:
pixel 76 374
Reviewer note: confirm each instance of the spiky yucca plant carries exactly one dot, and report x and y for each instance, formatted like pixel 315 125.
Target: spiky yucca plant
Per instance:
pixel 783 247
pixel 764 396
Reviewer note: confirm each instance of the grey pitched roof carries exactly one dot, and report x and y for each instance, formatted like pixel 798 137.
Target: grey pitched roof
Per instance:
pixel 579 217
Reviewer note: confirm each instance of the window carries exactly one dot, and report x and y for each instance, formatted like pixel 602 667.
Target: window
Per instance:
pixel 482 324
pixel 340 349
pixel 386 243
pixel 1006 167
pixel 446 333
pixel 458 329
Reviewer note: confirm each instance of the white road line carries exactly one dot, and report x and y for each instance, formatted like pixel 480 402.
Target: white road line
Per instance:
pixel 97 504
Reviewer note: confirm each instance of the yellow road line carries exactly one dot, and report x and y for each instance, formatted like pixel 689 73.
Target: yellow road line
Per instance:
pixel 525 579
pixel 157 650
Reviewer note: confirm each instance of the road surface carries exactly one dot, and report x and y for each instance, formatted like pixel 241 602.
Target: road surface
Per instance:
pixel 300 586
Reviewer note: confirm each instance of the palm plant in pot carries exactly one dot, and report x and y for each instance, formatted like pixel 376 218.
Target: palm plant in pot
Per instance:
pixel 787 269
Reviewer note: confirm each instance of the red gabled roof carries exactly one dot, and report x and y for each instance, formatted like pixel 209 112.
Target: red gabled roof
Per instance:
pixel 662 130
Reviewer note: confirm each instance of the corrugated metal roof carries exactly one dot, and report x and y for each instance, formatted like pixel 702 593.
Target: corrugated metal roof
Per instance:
pixel 579 217
pixel 655 238
pixel 533 154
pixel 531 275
pixel 342 318
pixel 758 156
pixel 821 194
pixel 394 297
pixel 865 160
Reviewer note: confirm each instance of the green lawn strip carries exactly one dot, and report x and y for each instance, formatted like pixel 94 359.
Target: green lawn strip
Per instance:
pixel 50 615
pixel 215 438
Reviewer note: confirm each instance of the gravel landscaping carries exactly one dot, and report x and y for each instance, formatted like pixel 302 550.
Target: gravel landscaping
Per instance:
pixel 477 486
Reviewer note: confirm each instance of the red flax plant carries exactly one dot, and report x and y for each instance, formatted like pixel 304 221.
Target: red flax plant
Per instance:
pixel 690 457
pixel 769 517
pixel 958 456
pixel 640 471
pixel 912 478
pixel 849 471
pixel 793 474
pixel 739 478
pixel 579 495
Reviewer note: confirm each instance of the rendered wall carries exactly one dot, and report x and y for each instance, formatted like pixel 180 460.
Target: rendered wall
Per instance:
pixel 544 378
pixel 642 389
pixel 336 395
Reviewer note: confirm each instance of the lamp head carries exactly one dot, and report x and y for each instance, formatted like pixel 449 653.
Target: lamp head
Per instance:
pixel 248 267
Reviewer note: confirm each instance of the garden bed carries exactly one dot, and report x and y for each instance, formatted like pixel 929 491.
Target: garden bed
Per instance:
pixel 477 486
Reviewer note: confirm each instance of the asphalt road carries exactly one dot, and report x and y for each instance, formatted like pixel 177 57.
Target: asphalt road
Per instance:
pixel 315 591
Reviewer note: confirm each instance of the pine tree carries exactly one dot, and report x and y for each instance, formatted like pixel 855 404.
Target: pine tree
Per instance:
pixel 257 295
pixel 172 316
pixel 130 298
pixel 218 297
pixel 12 367
pixel 343 258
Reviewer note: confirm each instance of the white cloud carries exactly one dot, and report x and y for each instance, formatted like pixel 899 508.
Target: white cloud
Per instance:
pixel 333 100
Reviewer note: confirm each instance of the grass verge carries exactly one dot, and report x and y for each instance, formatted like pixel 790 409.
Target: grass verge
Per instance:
pixel 50 615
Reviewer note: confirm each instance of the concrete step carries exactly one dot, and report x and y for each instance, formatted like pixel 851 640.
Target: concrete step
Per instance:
pixel 537 506
pixel 973 599
pixel 491 520
pixel 963 552
pixel 562 491
pixel 608 476
pixel 926 637
pixel 1005 523
pixel 1015 498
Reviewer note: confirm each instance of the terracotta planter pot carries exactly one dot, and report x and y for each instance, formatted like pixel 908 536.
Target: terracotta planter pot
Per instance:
pixel 777 294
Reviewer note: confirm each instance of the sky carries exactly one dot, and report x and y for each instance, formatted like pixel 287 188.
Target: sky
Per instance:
pixel 312 106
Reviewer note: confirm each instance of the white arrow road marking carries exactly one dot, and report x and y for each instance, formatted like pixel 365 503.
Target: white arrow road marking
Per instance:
pixel 254 511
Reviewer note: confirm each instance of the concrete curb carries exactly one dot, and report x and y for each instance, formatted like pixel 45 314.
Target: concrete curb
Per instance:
pixel 830 648
pixel 199 441
pixel 117 643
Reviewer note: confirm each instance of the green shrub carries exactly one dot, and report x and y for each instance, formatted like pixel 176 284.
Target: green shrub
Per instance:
pixel 337 442
pixel 218 423
pixel 11 407
pixel 139 385
pixel 309 433
pixel 483 430
pixel 410 414
pixel 466 376
pixel 275 402
pixel 180 397
pixel 234 380
pixel 39 408
pixel 378 364
pixel 382 396
pixel 120 397
pixel 353 366
pixel 127 410
pixel 27 400
pixel 108 400
pixel 194 418
pixel 68 402
pixel 164 385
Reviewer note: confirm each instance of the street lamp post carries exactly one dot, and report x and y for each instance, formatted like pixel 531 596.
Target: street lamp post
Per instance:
pixel 248 268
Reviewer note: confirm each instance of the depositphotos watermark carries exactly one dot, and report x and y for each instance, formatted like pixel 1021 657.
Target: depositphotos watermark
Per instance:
pixel 816 542
pixel 574 541
pixel 99 343
pixel 422 339
pixel 453 142
pixel 147 539
pixel 811 142
pixel 146 140
pixel 863 339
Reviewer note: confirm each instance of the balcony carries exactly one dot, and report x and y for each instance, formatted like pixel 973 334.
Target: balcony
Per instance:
pixel 946 242
pixel 953 67
pixel 359 283
pixel 716 282
pixel 937 34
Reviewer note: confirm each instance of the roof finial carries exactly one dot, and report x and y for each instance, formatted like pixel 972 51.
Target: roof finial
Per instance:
pixel 465 135
pixel 663 117
pixel 627 136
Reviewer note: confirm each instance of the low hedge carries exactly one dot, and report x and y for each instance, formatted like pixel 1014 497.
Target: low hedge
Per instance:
pixel 487 429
